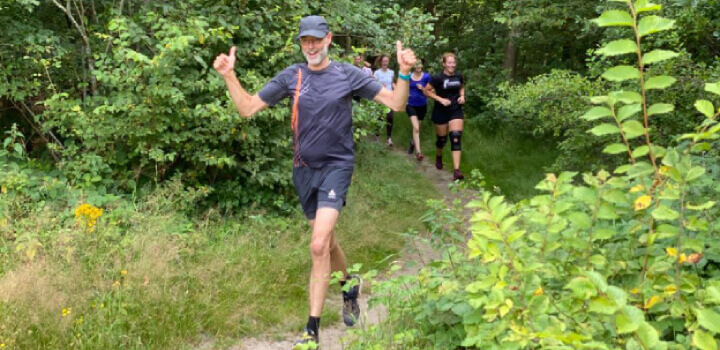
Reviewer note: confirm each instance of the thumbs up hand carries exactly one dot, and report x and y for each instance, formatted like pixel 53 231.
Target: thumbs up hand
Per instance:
pixel 405 58
pixel 225 64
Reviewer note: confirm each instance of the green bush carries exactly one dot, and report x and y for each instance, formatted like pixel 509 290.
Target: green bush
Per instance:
pixel 628 260
pixel 127 96
pixel 548 105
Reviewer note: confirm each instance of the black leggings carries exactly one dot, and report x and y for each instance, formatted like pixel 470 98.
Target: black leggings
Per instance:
pixel 389 125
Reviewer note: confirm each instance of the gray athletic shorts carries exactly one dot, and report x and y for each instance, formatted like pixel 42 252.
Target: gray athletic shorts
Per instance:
pixel 321 187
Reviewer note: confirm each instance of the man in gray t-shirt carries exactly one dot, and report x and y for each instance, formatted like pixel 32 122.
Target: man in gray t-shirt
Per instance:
pixel 321 106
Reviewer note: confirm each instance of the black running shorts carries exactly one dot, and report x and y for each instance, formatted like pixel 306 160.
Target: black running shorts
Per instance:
pixel 445 116
pixel 321 187
pixel 418 111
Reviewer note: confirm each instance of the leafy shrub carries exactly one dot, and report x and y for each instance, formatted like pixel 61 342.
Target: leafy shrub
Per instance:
pixel 628 260
pixel 128 96
pixel 548 105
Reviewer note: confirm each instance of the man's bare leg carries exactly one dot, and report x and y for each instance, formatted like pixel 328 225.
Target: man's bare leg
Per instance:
pixel 337 256
pixel 322 237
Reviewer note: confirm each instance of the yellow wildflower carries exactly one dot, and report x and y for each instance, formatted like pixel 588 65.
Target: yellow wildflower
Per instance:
pixel 87 215
pixel 637 188
pixel 66 312
pixel 539 291
pixel 123 272
pixel 671 251
pixel 670 289
pixel 654 300
pixel 682 258
pixel 642 202
pixel 635 291
pixel 116 284
pixel 3 189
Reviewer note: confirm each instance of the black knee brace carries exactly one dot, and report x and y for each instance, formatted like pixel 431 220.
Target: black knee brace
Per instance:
pixel 440 141
pixel 455 138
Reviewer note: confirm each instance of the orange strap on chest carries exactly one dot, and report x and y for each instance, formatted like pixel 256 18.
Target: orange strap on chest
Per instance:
pixel 294 118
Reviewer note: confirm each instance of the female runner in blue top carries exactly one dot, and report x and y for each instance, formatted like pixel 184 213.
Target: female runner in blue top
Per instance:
pixel 417 106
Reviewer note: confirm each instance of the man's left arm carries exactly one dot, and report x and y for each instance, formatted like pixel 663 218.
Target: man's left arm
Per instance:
pixel 397 99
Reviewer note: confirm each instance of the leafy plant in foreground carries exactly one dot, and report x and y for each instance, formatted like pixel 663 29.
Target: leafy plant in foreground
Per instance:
pixel 627 260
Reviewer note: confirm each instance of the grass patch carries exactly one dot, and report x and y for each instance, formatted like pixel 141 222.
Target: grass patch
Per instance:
pixel 149 277
pixel 512 161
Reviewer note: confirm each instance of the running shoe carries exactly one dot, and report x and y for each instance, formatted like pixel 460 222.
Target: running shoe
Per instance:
pixel 389 142
pixel 457 175
pixel 438 162
pixel 420 157
pixel 351 309
pixel 308 340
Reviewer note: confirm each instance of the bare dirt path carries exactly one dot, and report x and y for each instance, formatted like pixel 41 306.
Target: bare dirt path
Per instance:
pixel 332 336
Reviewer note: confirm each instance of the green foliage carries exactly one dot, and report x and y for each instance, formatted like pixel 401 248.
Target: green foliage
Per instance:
pixel 128 96
pixel 548 105
pixel 627 260
pixel 93 270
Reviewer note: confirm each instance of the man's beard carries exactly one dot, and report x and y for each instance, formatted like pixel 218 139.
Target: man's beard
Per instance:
pixel 319 57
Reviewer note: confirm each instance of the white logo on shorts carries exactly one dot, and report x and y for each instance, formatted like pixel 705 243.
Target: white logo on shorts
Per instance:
pixel 332 195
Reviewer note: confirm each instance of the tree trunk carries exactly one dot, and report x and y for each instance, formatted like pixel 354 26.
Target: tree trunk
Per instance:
pixel 87 50
pixel 512 49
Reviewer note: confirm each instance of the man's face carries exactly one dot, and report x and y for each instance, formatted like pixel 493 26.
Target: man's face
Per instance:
pixel 315 49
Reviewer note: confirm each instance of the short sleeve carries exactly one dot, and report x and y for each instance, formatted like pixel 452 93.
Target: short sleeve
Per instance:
pixel 426 79
pixel 361 84
pixel 462 80
pixel 278 88
pixel 435 81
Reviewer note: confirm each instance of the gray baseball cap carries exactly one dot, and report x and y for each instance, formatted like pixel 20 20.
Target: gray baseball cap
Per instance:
pixel 313 26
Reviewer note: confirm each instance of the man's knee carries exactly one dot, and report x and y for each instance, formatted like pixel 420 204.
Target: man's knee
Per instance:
pixel 456 140
pixel 320 248
pixel 440 141
pixel 416 129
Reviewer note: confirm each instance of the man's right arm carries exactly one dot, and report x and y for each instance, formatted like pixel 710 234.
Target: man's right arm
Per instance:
pixel 246 104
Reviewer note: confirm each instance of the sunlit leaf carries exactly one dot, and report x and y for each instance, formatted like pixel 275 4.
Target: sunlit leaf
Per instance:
pixel 615 148
pixel 633 128
pixel 655 56
pixel 654 24
pixel 618 47
pixel 664 213
pixel 660 108
pixel 705 107
pixel 597 113
pixel 604 129
pixel 704 341
pixel 621 73
pixel 644 6
pixel 614 18
pixel 713 87
pixel 628 111
pixel 708 319
pixel 659 82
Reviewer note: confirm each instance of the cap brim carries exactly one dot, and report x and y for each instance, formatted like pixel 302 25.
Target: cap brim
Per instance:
pixel 312 32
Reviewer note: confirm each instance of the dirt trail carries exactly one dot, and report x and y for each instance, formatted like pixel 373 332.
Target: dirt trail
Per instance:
pixel 331 336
